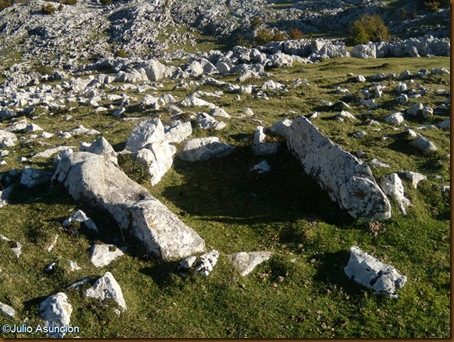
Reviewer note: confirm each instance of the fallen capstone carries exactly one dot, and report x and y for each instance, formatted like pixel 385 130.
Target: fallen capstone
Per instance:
pixel 372 273
pixel 104 254
pixel 201 149
pixel 347 180
pixel 393 187
pixel 106 287
pixel 7 310
pixel 245 263
pixel 100 184
pixel 56 313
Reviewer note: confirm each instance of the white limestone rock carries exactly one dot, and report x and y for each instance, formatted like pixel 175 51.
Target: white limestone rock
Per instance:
pixel 177 131
pixel 392 186
pixel 414 177
pixel 157 158
pixel 219 112
pixel 372 273
pixel 5 194
pixel 50 152
pixel 206 121
pixel 207 263
pixel 99 146
pixel 56 313
pixel 7 139
pixel 376 163
pixel 347 180
pixel 445 124
pixel 104 254
pixel 100 184
pixel 424 145
pixel 245 263
pixel 201 149
pixel 80 216
pixel 15 246
pixel 7 310
pixel 280 128
pixel 395 119
pixel 415 110
pixel 106 287
pixel 145 133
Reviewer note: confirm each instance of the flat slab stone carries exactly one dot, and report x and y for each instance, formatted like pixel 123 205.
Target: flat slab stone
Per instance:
pixel 246 262
pixel 98 182
pixel 347 180
pixel 368 271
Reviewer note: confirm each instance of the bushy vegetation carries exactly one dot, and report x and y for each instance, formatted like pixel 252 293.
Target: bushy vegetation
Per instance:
pixel 264 36
pixel 4 4
pixel 368 28
pixel 121 53
pixel 105 2
pixel 295 33
pixel 48 9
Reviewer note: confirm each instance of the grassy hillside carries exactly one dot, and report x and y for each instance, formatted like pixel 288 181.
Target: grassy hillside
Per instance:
pixel 302 291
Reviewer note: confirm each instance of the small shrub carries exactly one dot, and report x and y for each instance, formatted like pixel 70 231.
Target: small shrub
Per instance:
pixel 48 9
pixel 295 33
pixel 70 2
pixel 368 28
pixel 105 2
pixel 279 36
pixel 4 4
pixel 121 53
pixel 432 5
pixel 256 22
pixel 263 36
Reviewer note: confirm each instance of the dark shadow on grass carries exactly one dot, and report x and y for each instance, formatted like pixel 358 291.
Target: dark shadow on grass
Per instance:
pixel 330 272
pixel 225 190
pixel 164 274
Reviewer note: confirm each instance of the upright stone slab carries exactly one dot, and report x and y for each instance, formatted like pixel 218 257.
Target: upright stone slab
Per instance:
pixel 347 180
pixel 98 182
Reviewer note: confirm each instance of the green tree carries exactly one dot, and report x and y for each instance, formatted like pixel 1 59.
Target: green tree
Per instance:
pixel 368 28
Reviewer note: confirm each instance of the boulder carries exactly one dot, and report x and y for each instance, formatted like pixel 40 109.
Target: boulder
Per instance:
pixel 372 273
pixel 415 110
pixel 201 149
pixel 364 51
pixel 206 121
pixel 155 70
pixel 7 139
pixel 145 133
pixel 106 287
pixel 280 128
pixel 245 263
pixel 157 159
pixel 393 187
pixel 395 119
pixel 99 183
pixel 56 313
pixel 104 254
pixel 99 146
pixel 424 145
pixel 347 180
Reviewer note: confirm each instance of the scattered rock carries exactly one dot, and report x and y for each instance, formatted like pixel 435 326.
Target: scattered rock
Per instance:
pixel 415 178
pixel 260 147
pixel 206 121
pixel 177 131
pixel 368 271
pixel 392 186
pixel 395 119
pixel 376 163
pixel 280 128
pixel 103 255
pixel 5 194
pixel 80 216
pixel 424 145
pixel 262 167
pixel 33 177
pixel 245 263
pixel 53 243
pixel 7 310
pixel 7 139
pixel 56 313
pixel 207 263
pixel 346 179
pixel 50 152
pixel 15 246
pixel 415 110
pixel 106 287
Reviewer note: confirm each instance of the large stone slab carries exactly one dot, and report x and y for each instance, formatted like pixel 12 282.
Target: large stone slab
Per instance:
pixel 347 180
pixel 98 182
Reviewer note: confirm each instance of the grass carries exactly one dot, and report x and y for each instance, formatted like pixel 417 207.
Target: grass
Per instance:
pixel 302 291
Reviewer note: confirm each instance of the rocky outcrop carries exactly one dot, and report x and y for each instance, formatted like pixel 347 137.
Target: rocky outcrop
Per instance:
pixel 368 271
pixel 99 183
pixel 347 180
